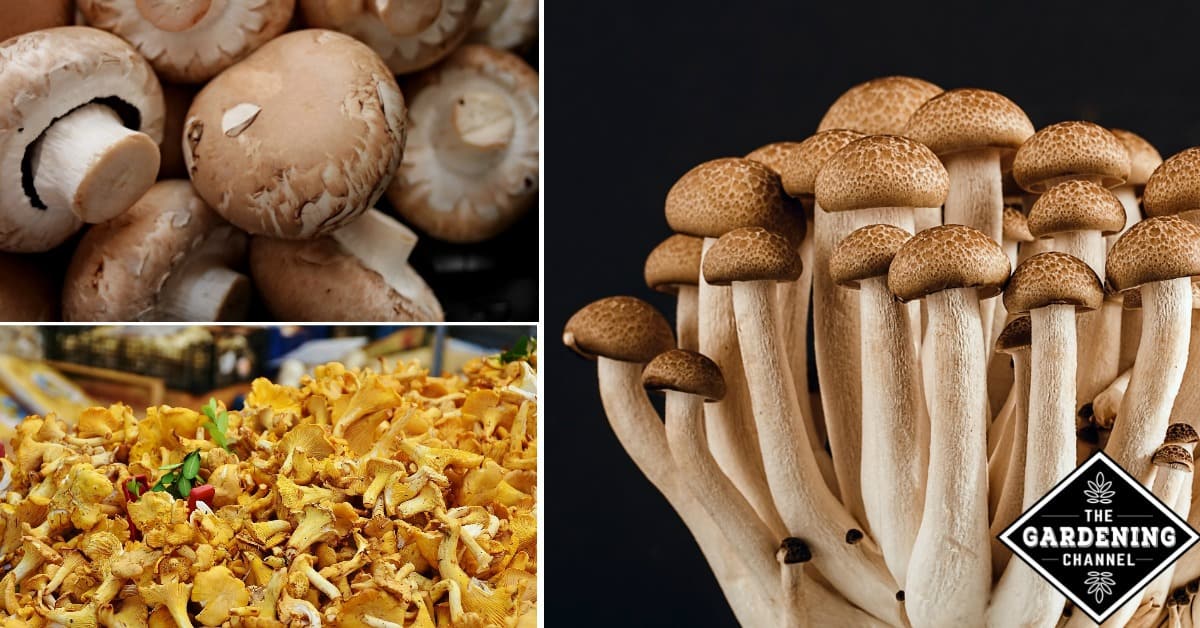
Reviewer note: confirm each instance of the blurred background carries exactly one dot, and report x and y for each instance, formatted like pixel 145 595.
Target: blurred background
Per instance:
pixel 651 89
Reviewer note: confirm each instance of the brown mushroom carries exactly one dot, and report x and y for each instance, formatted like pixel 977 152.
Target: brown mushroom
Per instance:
pixel 879 106
pixel 673 267
pixel 1144 159
pixel 1014 341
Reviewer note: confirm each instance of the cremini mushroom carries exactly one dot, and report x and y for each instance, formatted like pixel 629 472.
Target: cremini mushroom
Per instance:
pixel 1014 341
pixel 470 166
pixel 79 140
pixel 673 267
pixel 268 175
pixel 506 24
pixel 793 553
pixel 190 41
pixel 18 18
pixel 170 257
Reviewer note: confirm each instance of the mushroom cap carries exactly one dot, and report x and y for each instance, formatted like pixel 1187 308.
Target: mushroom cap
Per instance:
pixel 947 257
pixel 1181 434
pixel 674 262
pixel 1173 457
pixel 799 172
pixel 45 75
pixel 318 280
pixel 1076 205
pixel 1174 187
pixel 1131 299
pixel 751 254
pixel 721 195
pixel 1016 226
pixel 194 52
pixel 120 266
pixel 1053 278
pixel 686 372
pixel 1143 156
pixel 505 24
pixel 1071 150
pixel 27 292
pixel 475 196
pixel 969 119
pixel 425 43
pixel 794 550
pixel 775 155
pixel 18 18
pixel 1016 336
pixel 865 253
pixel 882 171
pixel 878 106
pixel 619 328
pixel 299 138
pixel 1156 249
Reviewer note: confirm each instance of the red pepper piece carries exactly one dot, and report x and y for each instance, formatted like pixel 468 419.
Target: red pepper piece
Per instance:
pixel 143 485
pixel 203 493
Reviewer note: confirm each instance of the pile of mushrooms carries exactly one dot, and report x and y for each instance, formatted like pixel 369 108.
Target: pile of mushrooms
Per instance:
pixel 989 308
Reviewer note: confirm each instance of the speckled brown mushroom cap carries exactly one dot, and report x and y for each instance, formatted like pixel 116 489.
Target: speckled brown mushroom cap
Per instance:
pixel 1016 226
pixel 1181 434
pixel 1016 336
pixel 878 106
pixel 751 254
pixel 882 171
pixel 1174 187
pixel 298 139
pixel 1131 299
pixel 1071 150
pixel 865 253
pixel 799 173
pixel 1143 157
pixel 947 257
pixel 1156 249
pixel 1076 205
pixel 1173 457
pixel 619 328
pixel 18 18
pixel 775 155
pixel 1053 278
pixel 721 195
pixel 686 372
pixel 969 119
pixel 674 262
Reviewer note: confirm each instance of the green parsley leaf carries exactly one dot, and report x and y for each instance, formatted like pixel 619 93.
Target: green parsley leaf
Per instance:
pixel 217 424
pixel 191 465
pixel 135 489
pixel 524 348
pixel 168 467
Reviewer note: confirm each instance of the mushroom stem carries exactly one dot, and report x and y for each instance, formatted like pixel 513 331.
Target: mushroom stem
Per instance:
pixel 1128 198
pixel 1011 502
pixel 377 240
pixel 173 16
pixel 89 163
pixel 926 217
pixel 1131 338
pixel 1099 355
pixel 686 321
pixel 406 17
pixel 956 512
pixel 792 556
pixel 1187 401
pixel 204 291
pixel 1108 403
pixel 976 199
pixel 476 131
pixel 793 300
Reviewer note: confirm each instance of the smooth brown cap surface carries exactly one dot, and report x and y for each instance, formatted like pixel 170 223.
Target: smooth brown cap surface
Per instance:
pixel 751 254
pixel 1181 433
pixel 946 257
pixel 775 154
pixel 1173 457
pixel 881 105
pixel 865 253
pixel 1143 157
pixel 969 119
pixel 721 195
pixel 619 328
pixel 1053 278
pixel 1016 226
pixel 799 173
pixel 686 372
pixel 1071 150
pixel 882 171
pixel 674 262
pixel 1076 205
pixel 1155 249
pixel 1016 336
pixel 1174 187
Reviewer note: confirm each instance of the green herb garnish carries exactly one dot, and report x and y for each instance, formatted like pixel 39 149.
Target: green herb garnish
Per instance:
pixel 524 348
pixel 134 488
pixel 217 424
pixel 180 477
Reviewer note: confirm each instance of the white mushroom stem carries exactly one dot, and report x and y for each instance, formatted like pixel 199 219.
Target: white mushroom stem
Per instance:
pixel 406 17
pixel 1011 503
pixel 687 318
pixel 792 307
pixel 1187 568
pixel 87 162
pixel 926 218
pixel 1098 356
pixel 383 244
pixel 1128 198
pixel 1108 403
pixel 1131 338
pixel 1162 354
pixel 203 290
pixel 955 517
pixel 475 131
pixel 893 464
pixel 1000 449
pixel 795 601
pixel 976 199
pixel 1187 402
pixel 850 561
pixel 828 608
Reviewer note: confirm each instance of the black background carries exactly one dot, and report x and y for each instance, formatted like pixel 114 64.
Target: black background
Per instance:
pixel 639 92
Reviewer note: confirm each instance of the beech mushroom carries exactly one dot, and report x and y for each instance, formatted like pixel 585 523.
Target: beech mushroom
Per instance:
pixel 409 34
pixel 1144 159
pixel 752 259
pixel 673 267
pixel 893 461
pixel 1015 234
pixel 265 173
pixel 792 555
pixel 880 106
pixel 190 41
pixel 1015 340
pixel 470 167
pixel 170 257
pixel 79 140
pixel 18 18
pixel 506 24
pixel 1108 403
pixel 952 267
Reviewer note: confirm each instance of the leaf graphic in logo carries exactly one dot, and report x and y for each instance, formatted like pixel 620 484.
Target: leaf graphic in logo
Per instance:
pixel 1099 584
pixel 1099 490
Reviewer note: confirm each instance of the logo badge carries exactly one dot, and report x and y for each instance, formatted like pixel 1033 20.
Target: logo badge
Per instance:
pixel 1099 537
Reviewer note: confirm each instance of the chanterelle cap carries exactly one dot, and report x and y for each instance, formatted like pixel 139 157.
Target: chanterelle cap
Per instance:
pixel 947 257
pixel 1017 335
pixel 1143 157
pixel 1053 278
pixel 1071 150
pixel 1076 205
pixel 774 155
pixel 1181 434
pixel 674 262
pixel 1155 249
pixel 799 172
pixel 687 372
pixel 865 253
pixel 619 328
pixel 969 119
pixel 1173 457
pixel 1174 187
pixel 721 195
pixel 878 106
pixel 882 171
pixel 1016 226
pixel 751 254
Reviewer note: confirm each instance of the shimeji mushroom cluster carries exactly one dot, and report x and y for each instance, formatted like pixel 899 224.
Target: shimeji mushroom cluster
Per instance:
pixel 989 307
pixel 359 499
pixel 272 128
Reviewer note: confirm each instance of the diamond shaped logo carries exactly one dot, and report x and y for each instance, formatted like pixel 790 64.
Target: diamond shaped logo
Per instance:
pixel 1099 537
